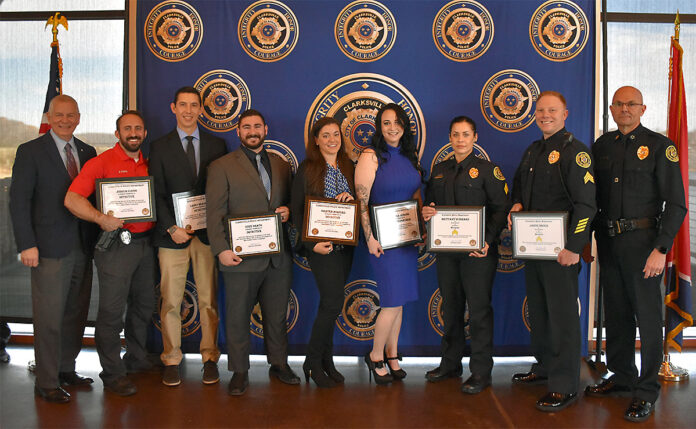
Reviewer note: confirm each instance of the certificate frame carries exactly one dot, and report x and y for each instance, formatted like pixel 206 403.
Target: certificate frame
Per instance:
pixel 314 202
pixel 480 229
pixel 149 213
pixel 274 247
pixel 543 251
pixel 380 227
pixel 178 214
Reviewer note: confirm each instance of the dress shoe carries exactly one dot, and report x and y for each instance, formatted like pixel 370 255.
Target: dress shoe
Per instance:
pixel 122 386
pixel 73 379
pixel 372 367
pixel 316 372
pixel 475 384
pixel 554 401
pixel 440 373
pixel 398 374
pixel 211 375
pixel 170 375
pixel 529 378
pixel 238 384
pixel 607 388
pixel 57 395
pixel 329 368
pixel 639 410
pixel 284 373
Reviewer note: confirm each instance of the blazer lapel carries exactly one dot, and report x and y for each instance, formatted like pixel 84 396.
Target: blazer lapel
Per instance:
pixel 244 162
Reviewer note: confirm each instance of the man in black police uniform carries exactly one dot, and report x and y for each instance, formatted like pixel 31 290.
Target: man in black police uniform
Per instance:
pixel 640 196
pixel 555 175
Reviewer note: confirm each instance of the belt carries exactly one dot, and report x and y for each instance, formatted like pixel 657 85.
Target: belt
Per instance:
pixel 620 226
pixel 139 235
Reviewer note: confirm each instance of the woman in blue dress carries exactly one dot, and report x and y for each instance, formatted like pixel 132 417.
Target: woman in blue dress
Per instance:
pixel 388 172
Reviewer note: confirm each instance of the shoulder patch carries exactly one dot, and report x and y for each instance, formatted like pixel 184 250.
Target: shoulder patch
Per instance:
pixel 583 160
pixel 554 156
pixel 498 174
pixel 671 153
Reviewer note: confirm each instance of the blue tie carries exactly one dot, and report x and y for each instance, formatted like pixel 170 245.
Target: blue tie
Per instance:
pixel 264 175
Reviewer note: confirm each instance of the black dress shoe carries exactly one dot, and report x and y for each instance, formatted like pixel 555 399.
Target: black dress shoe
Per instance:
pixel 122 386
pixel 529 378
pixel 639 410
pixel 440 373
pixel 284 373
pixel 73 379
pixel 57 395
pixel 554 401
pixel 475 384
pixel 607 388
pixel 238 384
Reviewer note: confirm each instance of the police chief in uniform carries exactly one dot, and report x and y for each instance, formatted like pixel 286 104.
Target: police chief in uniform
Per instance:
pixel 640 196
pixel 467 278
pixel 555 174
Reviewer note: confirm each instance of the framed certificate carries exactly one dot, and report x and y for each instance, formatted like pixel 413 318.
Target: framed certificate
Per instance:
pixel 538 235
pixel 131 199
pixel 189 210
pixel 256 235
pixel 330 220
pixel 396 224
pixel 457 229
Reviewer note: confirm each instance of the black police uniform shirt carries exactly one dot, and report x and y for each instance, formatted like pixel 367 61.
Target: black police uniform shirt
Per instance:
pixel 471 182
pixel 556 174
pixel 637 174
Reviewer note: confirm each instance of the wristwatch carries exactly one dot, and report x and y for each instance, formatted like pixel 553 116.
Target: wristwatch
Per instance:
pixel 172 229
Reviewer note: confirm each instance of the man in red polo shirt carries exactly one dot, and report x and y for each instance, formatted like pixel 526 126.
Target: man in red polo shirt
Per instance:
pixel 126 270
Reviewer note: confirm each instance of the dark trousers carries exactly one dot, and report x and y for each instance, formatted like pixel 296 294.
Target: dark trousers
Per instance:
pixel 60 292
pixel 271 289
pixel 467 280
pixel 331 273
pixel 629 297
pixel 552 298
pixel 126 284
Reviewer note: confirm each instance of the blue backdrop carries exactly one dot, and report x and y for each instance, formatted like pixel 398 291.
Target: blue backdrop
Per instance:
pixel 297 61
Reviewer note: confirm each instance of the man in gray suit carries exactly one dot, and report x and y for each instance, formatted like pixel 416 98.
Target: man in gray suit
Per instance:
pixel 251 181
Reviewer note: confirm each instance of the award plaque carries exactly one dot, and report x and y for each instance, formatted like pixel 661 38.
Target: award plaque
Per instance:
pixel 189 210
pixel 538 235
pixel 457 229
pixel 255 235
pixel 330 220
pixel 131 199
pixel 396 224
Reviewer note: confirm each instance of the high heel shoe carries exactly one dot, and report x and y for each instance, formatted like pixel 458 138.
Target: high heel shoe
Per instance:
pixel 372 366
pixel 329 368
pixel 315 371
pixel 398 374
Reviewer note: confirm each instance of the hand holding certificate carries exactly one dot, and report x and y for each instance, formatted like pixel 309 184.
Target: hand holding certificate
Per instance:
pixel 457 229
pixel 256 235
pixel 396 224
pixel 330 220
pixel 189 210
pixel 130 199
pixel 538 235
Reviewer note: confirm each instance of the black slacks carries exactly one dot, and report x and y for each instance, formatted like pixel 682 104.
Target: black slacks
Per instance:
pixel 629 297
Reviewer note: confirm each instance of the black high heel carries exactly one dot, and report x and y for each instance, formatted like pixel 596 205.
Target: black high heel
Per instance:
pixel 316 373
pixel 398 374
pixel 329 368
pixel 372 366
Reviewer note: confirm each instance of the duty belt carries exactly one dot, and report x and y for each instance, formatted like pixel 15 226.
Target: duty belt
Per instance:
pixel 620 226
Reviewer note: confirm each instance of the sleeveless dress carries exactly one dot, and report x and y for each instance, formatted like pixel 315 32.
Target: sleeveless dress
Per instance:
pixel 396 272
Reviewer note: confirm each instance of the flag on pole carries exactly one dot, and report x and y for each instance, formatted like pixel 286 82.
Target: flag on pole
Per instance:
pixel 678 263
pixel 55 83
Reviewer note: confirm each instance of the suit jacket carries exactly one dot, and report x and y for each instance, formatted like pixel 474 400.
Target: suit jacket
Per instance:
pixel 235 189
pixel 40 181
pixel 169 166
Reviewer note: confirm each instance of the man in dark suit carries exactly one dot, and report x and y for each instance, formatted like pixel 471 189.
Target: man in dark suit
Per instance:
pixel 57 246
pixel 179 163
pixel 251 181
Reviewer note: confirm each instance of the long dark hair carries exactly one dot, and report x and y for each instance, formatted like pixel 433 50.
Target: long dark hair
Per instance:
pixel 315 164
pixel 406 144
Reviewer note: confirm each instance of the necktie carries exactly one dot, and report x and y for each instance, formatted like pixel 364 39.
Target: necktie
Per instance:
pixel 191 155
pixel 264 175
pixel 72 165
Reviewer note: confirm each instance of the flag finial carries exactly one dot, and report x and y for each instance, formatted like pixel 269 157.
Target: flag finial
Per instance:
pixel 54 21
pixel 677 24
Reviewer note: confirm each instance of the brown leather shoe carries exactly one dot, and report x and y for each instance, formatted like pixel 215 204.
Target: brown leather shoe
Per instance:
pixel 73 379
pixel 211 375
pixel 607 388
pixel 122 386
pixel 57 395
pixel 529 378
pixel 170 376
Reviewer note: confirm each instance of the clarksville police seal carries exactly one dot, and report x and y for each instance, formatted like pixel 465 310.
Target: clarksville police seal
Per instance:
pixel 360 309
pixel 354 101
pixel 268 31
pixel 435 315
pixel 463 30
pixel 256 322
pixel 365 30
pixel 506 263
pixel 225 96
pixel 559 30
pixel 190 320
pixel 173 30
pixel 507 100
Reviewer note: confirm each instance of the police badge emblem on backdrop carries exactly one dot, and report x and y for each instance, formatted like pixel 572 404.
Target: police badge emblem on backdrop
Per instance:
pixel 463 30
pixel 256 320
pixel 357 318
pixel 559 30
pixel 507 100
pixel 190 320
pixel 365 31
pixel 268 31
pixel 435 315
pixel 173 30
pixel 225 96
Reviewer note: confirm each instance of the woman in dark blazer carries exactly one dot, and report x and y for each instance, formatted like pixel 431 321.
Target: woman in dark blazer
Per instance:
pixel 326 172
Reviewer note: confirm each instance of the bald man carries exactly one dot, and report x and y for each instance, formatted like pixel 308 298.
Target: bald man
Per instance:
pixel 640 196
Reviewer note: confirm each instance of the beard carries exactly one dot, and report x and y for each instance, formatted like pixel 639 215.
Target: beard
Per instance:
pixel 131 144
pixel 245 141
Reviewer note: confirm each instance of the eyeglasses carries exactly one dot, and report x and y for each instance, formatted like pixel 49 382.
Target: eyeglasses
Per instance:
pixel 630 104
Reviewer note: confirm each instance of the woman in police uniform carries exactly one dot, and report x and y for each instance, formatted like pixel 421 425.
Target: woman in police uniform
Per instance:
pixel 467 180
